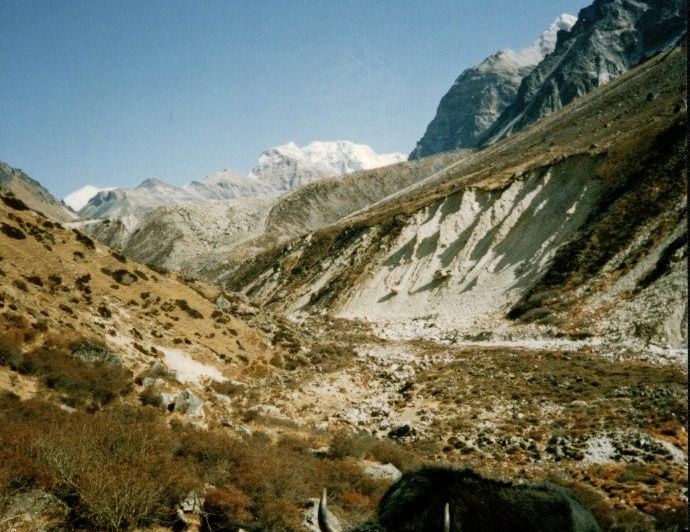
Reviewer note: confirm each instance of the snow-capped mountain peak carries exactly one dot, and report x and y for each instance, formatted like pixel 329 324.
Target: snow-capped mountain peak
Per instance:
pixel 288 166
pixel 278 169
pixel 77 199
pixel 508 60
pixel 481 93
pixel 546 43
pixel 344 157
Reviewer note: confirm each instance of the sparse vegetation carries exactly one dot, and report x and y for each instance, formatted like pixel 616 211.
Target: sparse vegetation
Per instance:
pixel 14 202
pixel 191 312
pixel 11 231
pixel 118 256
pixel 123 277
pixel 122 467
pixel 84 240
pixel 141 275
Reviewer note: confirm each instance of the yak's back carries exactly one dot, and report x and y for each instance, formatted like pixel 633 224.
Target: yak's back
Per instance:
pixel 416 503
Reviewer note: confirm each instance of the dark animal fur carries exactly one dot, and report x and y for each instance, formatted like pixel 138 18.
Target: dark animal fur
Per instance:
pixel 416 501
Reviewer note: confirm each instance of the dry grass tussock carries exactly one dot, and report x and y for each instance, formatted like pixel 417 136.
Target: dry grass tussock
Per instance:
pixel 123 467
pixel 117 465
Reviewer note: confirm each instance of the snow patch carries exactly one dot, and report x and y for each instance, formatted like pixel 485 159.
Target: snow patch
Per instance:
pixel 79 198
pixel 187 369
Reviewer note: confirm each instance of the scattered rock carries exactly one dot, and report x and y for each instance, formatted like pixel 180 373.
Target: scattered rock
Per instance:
pixel 189 404
pixel 223 303
pixel 321 452
pixel 37 509
pixel 383 472
pixel 153 382
pixel 243 431
pixel 192 504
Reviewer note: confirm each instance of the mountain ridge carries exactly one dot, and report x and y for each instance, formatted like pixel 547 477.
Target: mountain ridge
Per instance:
pixel 608 38
pixel 482 92
pixel 278 169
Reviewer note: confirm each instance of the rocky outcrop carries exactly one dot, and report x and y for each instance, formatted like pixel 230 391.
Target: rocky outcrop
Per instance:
pixel 511 90
pixel 33 194
pixel 609 38
pixel 483 92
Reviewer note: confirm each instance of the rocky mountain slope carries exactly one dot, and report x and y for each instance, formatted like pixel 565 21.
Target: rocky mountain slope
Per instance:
pixel 609 37
pixel 481 93
pixel 228 184
pixel 468 250
pixel 33 193
pixel 211 239
pixel 278 169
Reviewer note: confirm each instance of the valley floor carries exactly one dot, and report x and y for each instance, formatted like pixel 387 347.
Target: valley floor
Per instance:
pixel 609 422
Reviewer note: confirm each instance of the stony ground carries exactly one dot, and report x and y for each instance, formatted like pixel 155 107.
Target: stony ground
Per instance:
pixel 612 424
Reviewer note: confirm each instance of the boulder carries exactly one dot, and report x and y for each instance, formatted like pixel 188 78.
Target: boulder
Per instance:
pixel 189 404
pixel 383 472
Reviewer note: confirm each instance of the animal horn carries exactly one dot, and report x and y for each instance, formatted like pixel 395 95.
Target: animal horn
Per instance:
pixel 446 518
pixel 327 522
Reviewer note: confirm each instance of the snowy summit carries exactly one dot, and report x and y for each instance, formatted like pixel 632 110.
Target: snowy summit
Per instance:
pixel 77 199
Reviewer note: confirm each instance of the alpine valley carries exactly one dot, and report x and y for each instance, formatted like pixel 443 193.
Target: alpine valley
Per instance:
pixel 512 298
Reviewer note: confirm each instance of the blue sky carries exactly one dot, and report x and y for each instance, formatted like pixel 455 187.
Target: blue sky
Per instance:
pixel 113 92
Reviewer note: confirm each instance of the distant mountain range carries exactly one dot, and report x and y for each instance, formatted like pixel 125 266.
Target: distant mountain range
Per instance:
pixel 510 90
pixel 278 169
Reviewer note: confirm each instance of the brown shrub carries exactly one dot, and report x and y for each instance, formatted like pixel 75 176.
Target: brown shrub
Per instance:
pixel 228 388
pixel 227 507
pixel 119 466
pixel 122 468
pixel 347 443
pixel 12 232
pixel 34 279
pixel 357 502
pixel 158 269
pixel 118 256
pixel 92 384
pixel 151 397
pixel 14 203
pixel 18 283
pixel 10 351
pixel 123 277
pixel 277 479
pixel 183 305
pixel 388 452
pixel 84 240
